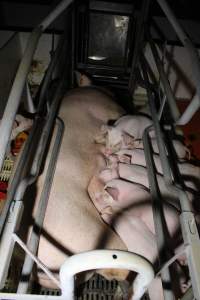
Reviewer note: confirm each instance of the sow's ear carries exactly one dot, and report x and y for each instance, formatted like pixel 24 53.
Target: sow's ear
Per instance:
pixel 128 140
pixel 101 137
pixel 82 79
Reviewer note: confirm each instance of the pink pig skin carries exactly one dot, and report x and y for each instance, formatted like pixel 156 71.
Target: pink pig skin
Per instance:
pixel 71 220
pixel 143 241
pixel 108 174
pixel 181 150
pixel 133 125
pixel 138 174
pixel 136 156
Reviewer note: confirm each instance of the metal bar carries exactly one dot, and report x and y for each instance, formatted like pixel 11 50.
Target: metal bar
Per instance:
pixel 16 93
pixel 138 43
pixel 161 146
pixel 192 51
pixel 33 173
pixel 99 259
pixel 29 100
pixel 55 13
pixel 190 111
pixel 10 296
pixel 19 171
pixel 20 79
pixel 167 88
pixel 188 224
pixel 157 214
pixel 48 74
pixel 7 243
pixel 39 218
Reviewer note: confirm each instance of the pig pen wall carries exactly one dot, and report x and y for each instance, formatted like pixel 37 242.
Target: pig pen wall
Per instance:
pixel 12 46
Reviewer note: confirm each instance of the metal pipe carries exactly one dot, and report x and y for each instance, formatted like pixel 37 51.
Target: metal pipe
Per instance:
pixel 158 215
pixel 48 74
pixel 173 20
pixel 20 79
pixel 190 111
pixel 187 220
pixel 98 259
pixel 40 214
pixel 16 93
pixel 161 146
pixel 140 25
pixel 29 100
pixel 167 88
pixel 20 169
pixel 192 51
pixel 55 13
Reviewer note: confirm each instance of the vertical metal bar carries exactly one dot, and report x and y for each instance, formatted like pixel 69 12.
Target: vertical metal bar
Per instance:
pixel 16 93
pixel 39 218
pixel 157 215
pixel 167 88
pixel 138 43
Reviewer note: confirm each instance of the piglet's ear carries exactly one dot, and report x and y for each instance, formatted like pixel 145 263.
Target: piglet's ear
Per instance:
pixel 128 140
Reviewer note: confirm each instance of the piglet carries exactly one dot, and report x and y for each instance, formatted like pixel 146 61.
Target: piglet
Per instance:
pixel 190 173
pixel 122 135
pixel 180 149
pixel 138 174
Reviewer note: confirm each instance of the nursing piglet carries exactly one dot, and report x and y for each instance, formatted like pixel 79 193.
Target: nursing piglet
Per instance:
pixel 190 173
pixel 122 135
pixel 180 149
pixel 140 239
pixel 138 174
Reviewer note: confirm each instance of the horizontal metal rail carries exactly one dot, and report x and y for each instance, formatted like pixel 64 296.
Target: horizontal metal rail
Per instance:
pixel 194 58
pixel 40 214
pixel 20 79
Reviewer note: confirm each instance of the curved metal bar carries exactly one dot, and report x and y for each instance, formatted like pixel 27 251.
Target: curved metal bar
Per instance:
pixel 98 259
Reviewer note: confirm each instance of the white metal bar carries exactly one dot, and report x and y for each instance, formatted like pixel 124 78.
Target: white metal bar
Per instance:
pixel 12 296
pixel 16 93
pixel 98 259
pixel 36 260
pixel 55 13
pixel 190 111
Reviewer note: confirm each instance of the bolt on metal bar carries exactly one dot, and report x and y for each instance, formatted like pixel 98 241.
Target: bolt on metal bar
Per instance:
pixel 40 214
pixel 192 51
pixel 166 85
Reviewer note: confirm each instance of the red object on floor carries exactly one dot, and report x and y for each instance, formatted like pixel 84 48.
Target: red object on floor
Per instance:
pixel 191 130
pixel 3 186
pixel 2 196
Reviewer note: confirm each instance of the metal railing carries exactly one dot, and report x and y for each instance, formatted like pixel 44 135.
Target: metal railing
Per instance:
pixel 20 79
